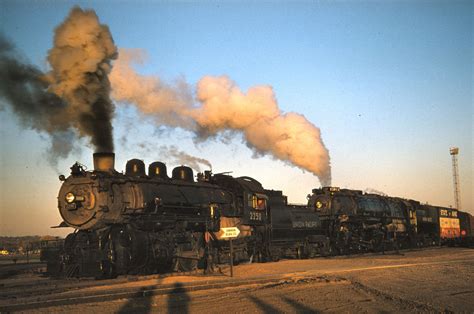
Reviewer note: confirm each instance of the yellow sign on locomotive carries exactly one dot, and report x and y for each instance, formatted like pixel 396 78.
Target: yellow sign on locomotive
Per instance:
pixel 449 227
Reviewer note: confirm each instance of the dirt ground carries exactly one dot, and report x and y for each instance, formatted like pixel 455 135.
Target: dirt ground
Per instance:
pixel 434 280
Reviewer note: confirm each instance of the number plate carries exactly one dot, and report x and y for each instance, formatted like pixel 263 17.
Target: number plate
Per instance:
pixel 71 206
pixel 257 216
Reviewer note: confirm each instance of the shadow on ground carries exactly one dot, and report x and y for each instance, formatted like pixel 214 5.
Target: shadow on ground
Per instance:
pixel 142 301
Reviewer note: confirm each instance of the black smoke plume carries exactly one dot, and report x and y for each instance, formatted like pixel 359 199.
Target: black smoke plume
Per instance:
pixel 72 98
pixel 81 61
pixel 22 87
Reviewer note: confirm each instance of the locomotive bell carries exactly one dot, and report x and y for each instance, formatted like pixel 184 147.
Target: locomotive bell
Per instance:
pixel 104 161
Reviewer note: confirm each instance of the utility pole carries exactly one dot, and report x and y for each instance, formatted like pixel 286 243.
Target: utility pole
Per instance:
pixel 454 151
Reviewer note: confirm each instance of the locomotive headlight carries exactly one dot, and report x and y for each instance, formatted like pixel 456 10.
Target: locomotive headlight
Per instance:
pixel 70 197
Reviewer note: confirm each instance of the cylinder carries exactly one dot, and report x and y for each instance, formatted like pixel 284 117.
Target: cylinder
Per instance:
pixel 104 161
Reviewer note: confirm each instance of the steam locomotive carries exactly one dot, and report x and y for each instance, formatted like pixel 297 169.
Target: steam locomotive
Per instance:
pixel 138 223
pixel 359 222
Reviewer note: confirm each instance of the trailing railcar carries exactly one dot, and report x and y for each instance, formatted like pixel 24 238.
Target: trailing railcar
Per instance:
pixel 437 225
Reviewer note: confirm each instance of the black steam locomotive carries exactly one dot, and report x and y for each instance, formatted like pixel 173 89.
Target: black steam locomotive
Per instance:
pixel 140 222
pixel 147 223
pixel 361 222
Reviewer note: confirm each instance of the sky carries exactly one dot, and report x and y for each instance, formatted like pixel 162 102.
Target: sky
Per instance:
pixel 388 83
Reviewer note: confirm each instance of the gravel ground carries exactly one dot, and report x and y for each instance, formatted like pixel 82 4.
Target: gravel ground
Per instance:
pixel 434 280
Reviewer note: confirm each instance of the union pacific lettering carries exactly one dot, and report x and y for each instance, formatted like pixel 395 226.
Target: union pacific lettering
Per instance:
pixel 305 224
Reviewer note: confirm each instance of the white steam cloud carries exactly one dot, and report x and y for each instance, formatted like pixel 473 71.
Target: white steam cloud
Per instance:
pixel 221 106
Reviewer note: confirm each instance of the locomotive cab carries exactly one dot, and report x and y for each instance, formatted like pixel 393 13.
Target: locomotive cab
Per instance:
pixel 255 207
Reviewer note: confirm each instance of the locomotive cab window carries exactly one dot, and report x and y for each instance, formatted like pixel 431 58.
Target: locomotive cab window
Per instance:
pixel 396 209
pixel 258 202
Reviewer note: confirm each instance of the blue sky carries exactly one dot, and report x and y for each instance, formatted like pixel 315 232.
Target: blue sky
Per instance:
pixel 388 83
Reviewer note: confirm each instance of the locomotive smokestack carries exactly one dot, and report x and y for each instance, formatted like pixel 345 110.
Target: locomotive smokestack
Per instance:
pixel 104 162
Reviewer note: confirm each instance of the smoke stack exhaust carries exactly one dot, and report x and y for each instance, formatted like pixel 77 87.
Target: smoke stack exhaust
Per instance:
pixel 104 162
pixel 72 99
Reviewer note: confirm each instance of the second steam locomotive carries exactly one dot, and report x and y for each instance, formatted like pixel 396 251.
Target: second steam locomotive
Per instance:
pixel 141 222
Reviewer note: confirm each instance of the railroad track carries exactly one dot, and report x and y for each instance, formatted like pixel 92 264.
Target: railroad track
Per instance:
pixel 10 270
pixel 16 289
pixel 109 294
pixel 17 295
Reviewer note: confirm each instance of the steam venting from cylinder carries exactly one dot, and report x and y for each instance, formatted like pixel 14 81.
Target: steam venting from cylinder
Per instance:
pixel 72 100
pixel 221 106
